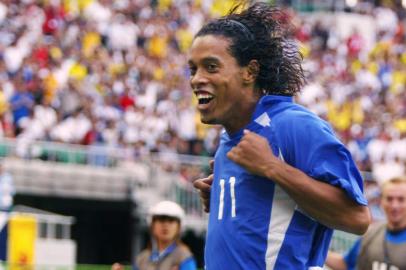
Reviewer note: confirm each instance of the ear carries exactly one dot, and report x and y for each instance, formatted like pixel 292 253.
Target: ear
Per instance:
pixel 251 72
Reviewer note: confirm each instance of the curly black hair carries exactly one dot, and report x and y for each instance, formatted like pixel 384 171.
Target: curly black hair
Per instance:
pixel 264 33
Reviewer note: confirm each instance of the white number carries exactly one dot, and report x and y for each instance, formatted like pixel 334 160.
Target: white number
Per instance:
pixel 221 204
pixel 231 181
pixel 382 266
pixel 232 194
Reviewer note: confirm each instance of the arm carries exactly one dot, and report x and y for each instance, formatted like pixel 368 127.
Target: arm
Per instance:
pixel 335 261
pixel 326 203
pixel 348 261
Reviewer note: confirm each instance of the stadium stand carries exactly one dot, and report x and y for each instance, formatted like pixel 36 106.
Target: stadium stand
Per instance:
pixel 103 84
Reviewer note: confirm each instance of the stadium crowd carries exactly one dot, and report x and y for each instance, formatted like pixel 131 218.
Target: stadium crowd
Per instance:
pixel 114 73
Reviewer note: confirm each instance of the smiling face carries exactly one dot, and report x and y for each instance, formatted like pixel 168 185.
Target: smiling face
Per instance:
pixel 225 90
pixel 394 204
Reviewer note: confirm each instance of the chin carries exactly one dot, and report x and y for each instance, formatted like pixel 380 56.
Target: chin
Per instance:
pixel 208 120
pixel 204 121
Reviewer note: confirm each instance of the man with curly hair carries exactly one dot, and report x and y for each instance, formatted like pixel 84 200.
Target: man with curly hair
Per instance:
pixel 282 181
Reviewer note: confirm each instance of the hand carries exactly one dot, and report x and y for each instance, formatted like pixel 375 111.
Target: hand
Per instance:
pixel 117 266
pixel 204 187
pixel 254 153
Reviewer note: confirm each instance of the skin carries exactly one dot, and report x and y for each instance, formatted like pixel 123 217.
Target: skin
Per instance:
pixel 232 107
pixel 215 71
pixel 165 232
pixel 393 202
pixel 117 266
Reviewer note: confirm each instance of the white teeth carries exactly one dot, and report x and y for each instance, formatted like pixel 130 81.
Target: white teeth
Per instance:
pixel 200 96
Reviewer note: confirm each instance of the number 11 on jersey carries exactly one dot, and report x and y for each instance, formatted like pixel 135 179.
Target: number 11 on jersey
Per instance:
pixel 231 183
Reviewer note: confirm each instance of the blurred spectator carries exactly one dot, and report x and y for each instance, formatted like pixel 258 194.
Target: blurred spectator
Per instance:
pixel 114 73
pixel 7 189
pixel 384 244
pixel 165 251
pixel 22 102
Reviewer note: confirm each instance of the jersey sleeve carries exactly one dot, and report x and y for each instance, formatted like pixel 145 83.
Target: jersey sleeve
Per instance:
pixel 309 144
pixel 350 257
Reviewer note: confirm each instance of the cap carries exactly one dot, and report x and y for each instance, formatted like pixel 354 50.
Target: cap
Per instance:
pixel 166 208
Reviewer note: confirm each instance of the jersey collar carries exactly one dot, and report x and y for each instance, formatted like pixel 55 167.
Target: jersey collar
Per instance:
pixel 261 117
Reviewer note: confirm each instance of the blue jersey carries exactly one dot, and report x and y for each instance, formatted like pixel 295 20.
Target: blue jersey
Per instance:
pixel 253 223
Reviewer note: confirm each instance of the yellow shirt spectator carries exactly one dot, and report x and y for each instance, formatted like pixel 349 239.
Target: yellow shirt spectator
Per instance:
pixel 221 7
pixel 78 71
pixel 398 81
pixel 304 49
pixel 339 116
pixel 400 125
pixel 157 46
pixel 3 103
pixel 83 3
pixel 163 5
pixel 185 38
pixel 90 42
pixel 50 85
pixel 56 53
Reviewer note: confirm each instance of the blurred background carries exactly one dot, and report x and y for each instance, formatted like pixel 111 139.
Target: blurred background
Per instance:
pixel 97 120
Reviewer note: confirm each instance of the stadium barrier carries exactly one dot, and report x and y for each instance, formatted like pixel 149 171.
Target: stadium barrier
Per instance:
pixel 162 177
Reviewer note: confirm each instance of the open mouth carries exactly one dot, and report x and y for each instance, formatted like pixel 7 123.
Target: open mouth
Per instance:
pixel 204 98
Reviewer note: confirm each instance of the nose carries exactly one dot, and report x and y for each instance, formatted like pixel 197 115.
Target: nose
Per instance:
pixel 198 79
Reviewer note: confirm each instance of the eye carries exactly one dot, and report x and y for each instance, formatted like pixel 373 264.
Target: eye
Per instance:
pixel 192 70
pixel 212 68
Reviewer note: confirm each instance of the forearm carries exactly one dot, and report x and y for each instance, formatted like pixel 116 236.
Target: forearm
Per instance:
pixel 327 204
pixel 335 261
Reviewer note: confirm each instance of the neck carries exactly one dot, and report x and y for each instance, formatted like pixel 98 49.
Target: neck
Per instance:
pixel 395 227
pixel 237 122
pixel 162 245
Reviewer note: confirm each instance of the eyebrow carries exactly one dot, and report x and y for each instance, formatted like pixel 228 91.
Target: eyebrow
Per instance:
pixel 206 60
pixel 211 59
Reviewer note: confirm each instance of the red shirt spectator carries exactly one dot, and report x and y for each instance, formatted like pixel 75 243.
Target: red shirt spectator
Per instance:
pixel 54 17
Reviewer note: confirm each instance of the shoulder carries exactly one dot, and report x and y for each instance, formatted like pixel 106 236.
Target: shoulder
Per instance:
pixel 375 227
pixel 373 232
pixel 298 125
pixel 143 255
pixel 183 252
pixel 297 117
pixel 183 249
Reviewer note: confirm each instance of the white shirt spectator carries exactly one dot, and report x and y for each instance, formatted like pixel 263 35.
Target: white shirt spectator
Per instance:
pixel 3 12
pixel 97 12
pixel 187 126
pixel 46 115
pixel 397 149
pixel 386 170
pixel 32 128
pixel 122 33
pixel 386 20
pixel 72 129
pixel 7 189
pixel 377 149
pixel 148 100
pixel 13 58
pixel 310 93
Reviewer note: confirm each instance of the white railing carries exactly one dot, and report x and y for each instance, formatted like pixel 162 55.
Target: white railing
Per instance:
pixel 167 183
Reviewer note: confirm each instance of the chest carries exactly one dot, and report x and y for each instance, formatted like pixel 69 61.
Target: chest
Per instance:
pixel 379 254
pixel 170 262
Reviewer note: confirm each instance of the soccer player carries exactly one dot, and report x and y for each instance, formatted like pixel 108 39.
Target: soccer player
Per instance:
pixel 384 245
pixel 282 181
